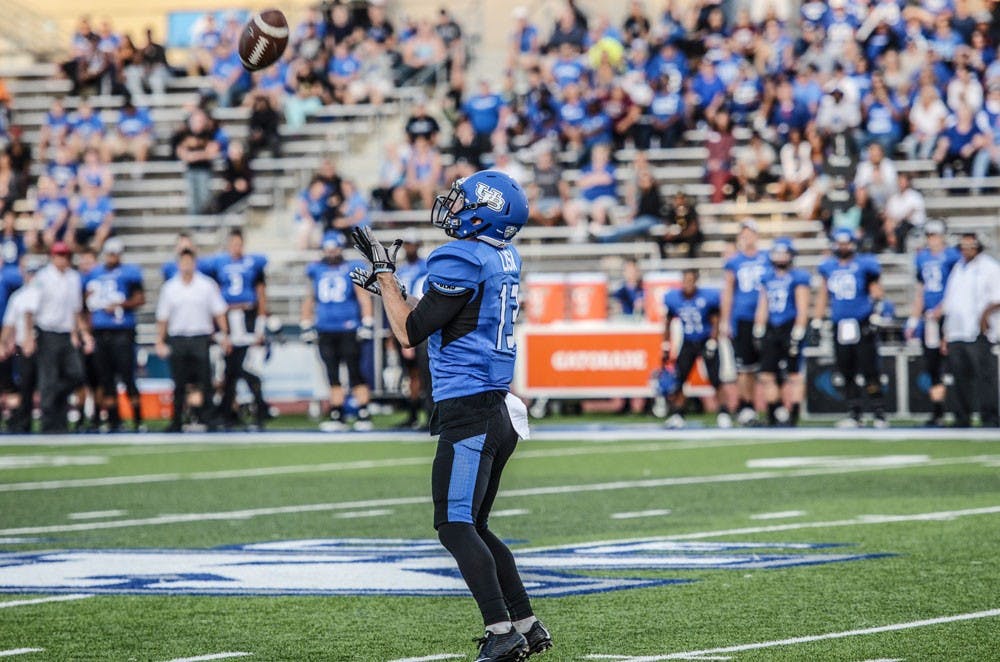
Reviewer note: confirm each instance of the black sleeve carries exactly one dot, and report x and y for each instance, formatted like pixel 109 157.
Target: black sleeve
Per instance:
pixel 432 313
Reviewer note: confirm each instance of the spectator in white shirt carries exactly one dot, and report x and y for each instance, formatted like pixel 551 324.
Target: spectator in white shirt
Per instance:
pixel 927 119
pixel 878 175
pixel 796 166
pixel 904 210
pixel 62 330
pixel 189 309
pixel 965 89
pixel 971 308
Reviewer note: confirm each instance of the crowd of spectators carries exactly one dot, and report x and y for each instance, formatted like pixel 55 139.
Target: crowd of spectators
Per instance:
pixel 817 109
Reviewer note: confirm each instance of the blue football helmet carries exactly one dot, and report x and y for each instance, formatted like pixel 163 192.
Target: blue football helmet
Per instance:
pixel 666 380
pixel 488 205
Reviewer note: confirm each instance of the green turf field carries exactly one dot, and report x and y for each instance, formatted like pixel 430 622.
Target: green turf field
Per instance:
pixel 861 548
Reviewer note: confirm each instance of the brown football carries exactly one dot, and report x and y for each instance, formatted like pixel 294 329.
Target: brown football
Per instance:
pixel 263 39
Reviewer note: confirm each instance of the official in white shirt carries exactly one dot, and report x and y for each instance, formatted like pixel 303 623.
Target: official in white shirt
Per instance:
pixel 971 328
pixel 13 337
pixel 61 329
pixel 189 309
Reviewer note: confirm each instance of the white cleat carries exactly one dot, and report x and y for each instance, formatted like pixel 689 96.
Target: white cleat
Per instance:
pixel 848 423
pixel 724 420
pixel 746 416
pixel 675 422
pixel 363 426
pixel 880 423
pixel 332 426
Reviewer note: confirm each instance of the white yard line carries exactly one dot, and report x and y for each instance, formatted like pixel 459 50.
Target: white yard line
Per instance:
pixel 259 472
pixel 419 500
pixel 781 514
pixel 430 658
pixel 642 513
pixel 38 601
pixel 861 520
pixel 510 512
pixel 604 434
pixel 358 514
pixel 990 613
pixel 213 656
pixel 97 514
pixel 20 651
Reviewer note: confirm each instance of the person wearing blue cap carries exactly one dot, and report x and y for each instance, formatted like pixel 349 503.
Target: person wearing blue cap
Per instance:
pixel 854 294
pixel 337 318
pixel 779 328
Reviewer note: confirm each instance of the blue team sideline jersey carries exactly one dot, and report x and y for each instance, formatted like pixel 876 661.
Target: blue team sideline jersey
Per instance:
pixel 410 274
pixel 847 284
pixel 238 278
pixel 476 351
pixel 933 270
pixel 337 306
pixel 780 289
pixel 10 280
pixel 695 313
pixel 747 272
pixel 104 288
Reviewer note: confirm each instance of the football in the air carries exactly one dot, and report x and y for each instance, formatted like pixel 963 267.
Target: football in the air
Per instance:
pixel 263 39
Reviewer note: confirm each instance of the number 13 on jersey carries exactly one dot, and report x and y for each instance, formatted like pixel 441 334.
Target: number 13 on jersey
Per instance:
pixel 509 307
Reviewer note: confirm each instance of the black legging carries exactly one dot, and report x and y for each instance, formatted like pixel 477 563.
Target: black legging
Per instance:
pixel 233 373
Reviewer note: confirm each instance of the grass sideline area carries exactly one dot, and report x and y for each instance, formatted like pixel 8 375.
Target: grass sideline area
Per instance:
pixel 756 547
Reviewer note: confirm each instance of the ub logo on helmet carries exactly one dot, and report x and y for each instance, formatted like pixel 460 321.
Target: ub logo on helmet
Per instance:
pixel 490 196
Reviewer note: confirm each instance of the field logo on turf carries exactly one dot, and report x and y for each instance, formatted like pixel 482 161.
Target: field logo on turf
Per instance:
pixel 387 567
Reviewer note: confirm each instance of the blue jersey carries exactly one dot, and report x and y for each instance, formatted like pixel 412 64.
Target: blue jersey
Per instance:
pixel 411 273
pixel 337 306
pixel 628 296
pixel 932 272
pixel 238 279
pixel 847 284
pixel 747 273
pixel 11 249
pixel 483 110
pixel 475 352
pixel 695 312
pixel 108 288
pixel 780 289
pixel 93 212
pixel 10 280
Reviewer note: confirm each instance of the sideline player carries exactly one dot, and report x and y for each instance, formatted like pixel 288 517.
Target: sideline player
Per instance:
pixel 467 315
pixel 933 265
pixel 337 315
pixel 113 292
pixel 14 339
pixel 244 288
pixel 737 309
pixel 697 311
pixel 780 328
pixel 410 271
pixel 852 289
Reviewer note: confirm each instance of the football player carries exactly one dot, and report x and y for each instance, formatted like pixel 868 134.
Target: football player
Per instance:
pixel 737 309
pixel 411 272
pixel 338 315
pixel 13 338
pixel 696 311
pixel 779 329
pixel 852 289
pixel 467 316
pixel 113 292
pixel 933 266
pixel 244 287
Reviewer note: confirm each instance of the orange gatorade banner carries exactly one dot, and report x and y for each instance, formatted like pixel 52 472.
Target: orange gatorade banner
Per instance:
pixel 588 360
